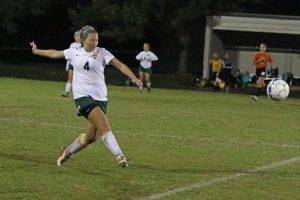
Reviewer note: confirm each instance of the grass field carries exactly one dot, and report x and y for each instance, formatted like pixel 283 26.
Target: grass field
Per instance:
pixel 181 145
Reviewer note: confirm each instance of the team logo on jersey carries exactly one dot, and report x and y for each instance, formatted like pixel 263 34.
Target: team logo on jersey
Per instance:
pixel 95 56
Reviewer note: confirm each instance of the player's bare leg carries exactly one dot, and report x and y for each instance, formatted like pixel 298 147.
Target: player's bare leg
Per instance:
pixel 148 83
pixel 259 85
pixel 79 143
pixel 100 121
pixel 141 76
pixel 68 84
pixel 98 125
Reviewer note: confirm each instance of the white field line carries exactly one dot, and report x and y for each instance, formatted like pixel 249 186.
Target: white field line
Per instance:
pixel 203 184
pixel 166 136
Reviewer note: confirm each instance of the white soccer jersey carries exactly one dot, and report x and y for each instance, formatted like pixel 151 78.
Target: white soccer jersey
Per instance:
pixel 73 45
pixel 88 77
pixel 146 58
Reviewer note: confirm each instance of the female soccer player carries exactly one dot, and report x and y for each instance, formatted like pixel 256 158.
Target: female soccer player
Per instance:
pixel 146 57
pixel 90 92
pixel 261 60
pixel 69 66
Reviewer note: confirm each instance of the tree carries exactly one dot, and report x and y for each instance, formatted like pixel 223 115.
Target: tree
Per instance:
pixel 182 15
pixel 121 20
pixel 125 20
pixel 181 21
pixel 130 19
pixel 14 12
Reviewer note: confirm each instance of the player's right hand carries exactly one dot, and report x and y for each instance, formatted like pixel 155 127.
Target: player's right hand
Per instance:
pixel 33 46
pixel 136 81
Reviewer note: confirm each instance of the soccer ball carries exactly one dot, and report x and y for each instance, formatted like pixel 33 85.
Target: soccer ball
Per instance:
pixel 278 90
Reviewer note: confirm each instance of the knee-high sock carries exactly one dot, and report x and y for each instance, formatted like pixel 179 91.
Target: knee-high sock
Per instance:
pixel 68 87
pixel 111 143
pixel 148 83
pixel 141 86
pixel 79 143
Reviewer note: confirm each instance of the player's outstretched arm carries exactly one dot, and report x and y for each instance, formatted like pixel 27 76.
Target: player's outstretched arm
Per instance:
pixel 138 57
pixel 51 53
pixel 125 69
pixel 154 57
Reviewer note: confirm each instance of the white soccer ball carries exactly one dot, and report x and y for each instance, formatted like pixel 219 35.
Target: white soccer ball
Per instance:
pixel 278 90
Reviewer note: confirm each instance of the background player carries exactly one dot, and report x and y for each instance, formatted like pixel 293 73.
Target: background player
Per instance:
pixel 261 60
pixel 146 57
pixel 69 66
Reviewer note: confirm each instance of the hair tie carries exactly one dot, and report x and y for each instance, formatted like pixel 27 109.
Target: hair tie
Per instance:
pixel 86 30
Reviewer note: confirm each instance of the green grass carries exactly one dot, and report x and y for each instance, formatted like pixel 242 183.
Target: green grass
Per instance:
pixel 173 138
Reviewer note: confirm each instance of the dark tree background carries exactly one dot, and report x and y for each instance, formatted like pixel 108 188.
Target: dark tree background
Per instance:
pixel 175 28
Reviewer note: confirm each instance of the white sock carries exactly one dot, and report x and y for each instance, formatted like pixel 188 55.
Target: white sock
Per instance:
pixel 148 83
pixel 141 86
pixel 74 147
pixel 68 87
pixel 111 143
pixel 79 143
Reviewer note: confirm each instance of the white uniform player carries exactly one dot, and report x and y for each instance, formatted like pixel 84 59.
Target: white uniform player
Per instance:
pixel 90 92
pixel 88 77
pixel 69 67
pixel 146 57
pixel 73 45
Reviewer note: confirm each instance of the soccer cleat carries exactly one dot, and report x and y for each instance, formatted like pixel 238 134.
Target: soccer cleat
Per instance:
pixel 254 97
pixel 64 156
pixel 65 95
pixel 149 89
pixel 122 161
